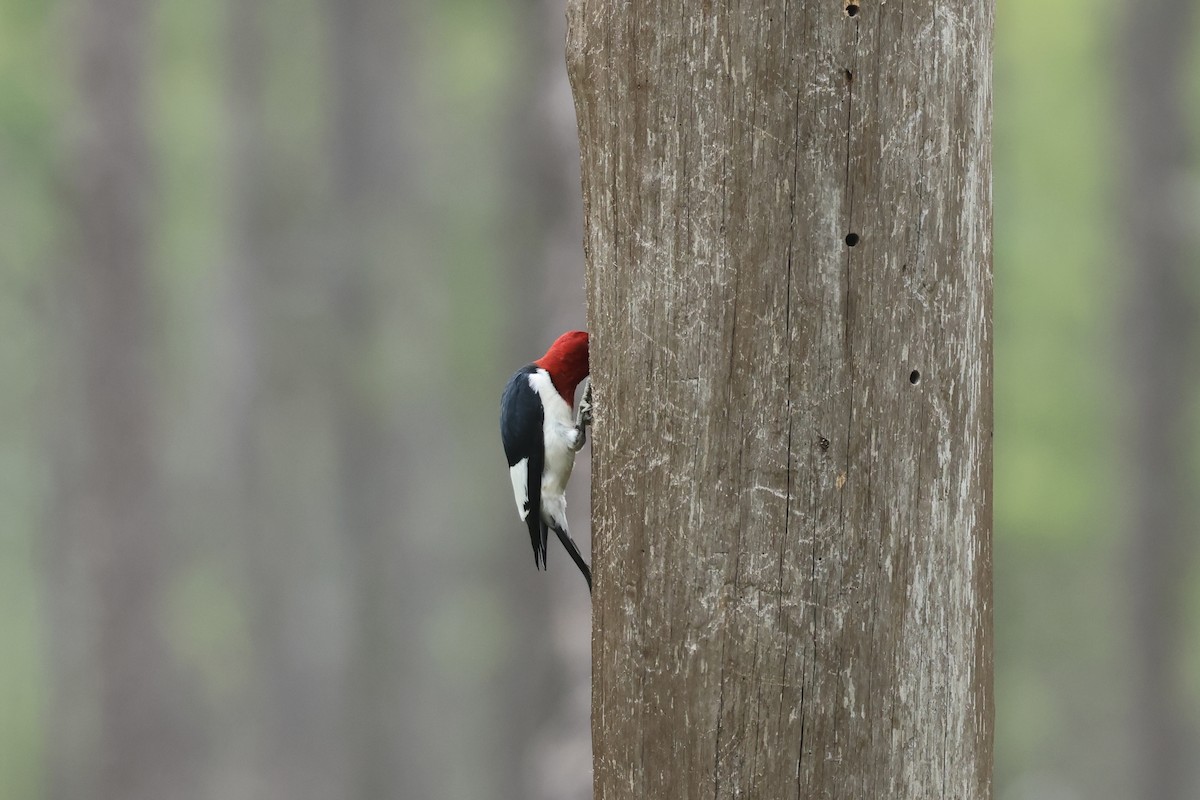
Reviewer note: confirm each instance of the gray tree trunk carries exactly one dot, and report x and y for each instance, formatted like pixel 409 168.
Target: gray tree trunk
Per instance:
pixel 372 158
pixel 1159 329
pixel 281 745
pixel 788 231
pixel 117 727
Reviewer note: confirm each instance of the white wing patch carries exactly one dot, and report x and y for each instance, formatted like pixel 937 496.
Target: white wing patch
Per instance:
pixel 519 473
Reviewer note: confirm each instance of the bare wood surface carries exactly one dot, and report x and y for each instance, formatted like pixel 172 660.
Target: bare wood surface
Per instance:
pixel 788 232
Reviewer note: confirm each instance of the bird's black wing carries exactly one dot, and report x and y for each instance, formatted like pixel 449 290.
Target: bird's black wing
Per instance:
pixel 521 431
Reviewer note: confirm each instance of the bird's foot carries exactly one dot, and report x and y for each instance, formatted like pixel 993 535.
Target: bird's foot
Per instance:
pixel 585 407
pixel 580 437
pixel 583 419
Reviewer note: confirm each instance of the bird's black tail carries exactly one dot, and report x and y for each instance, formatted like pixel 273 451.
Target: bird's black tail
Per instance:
pixel 573 551
pixel 537 537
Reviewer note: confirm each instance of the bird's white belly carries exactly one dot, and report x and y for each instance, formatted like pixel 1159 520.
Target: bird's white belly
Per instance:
pixel 560 460
pixel 559 436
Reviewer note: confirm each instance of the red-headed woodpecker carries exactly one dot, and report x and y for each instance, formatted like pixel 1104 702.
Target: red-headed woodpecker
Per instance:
pixel 541 439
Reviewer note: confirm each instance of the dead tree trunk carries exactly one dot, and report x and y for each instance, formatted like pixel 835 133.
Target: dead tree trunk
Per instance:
pixel 788 214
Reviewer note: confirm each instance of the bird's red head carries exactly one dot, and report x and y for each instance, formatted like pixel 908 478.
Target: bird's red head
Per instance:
pixel 567 363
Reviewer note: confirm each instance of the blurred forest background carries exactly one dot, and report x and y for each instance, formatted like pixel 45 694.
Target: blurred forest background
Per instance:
pixel 264 268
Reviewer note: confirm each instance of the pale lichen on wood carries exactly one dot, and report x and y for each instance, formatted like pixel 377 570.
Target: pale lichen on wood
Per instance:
pixel 787 217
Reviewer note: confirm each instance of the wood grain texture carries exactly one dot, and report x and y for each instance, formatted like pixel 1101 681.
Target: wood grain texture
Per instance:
pixel 792 539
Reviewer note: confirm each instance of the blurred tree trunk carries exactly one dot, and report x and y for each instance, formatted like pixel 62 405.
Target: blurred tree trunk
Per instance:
pixel 116 729
pixel 280 738
pixel 1160 316
pixel 371 66
pixel 238 332
pixel 788 216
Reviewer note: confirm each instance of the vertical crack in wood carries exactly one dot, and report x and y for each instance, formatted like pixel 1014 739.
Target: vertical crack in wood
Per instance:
pixel 787 511
pixel 850 377
pixel 720 715
pixel 787 507
pixel 848 339
pixel 723 265
pixel 800 760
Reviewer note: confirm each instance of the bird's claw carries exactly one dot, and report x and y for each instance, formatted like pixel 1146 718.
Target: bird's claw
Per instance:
pixel 584 419
pixel 585 408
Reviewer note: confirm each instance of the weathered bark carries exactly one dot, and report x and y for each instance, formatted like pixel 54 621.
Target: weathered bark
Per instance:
pixel 117 726
pixel 788 214
pixel 1160 318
